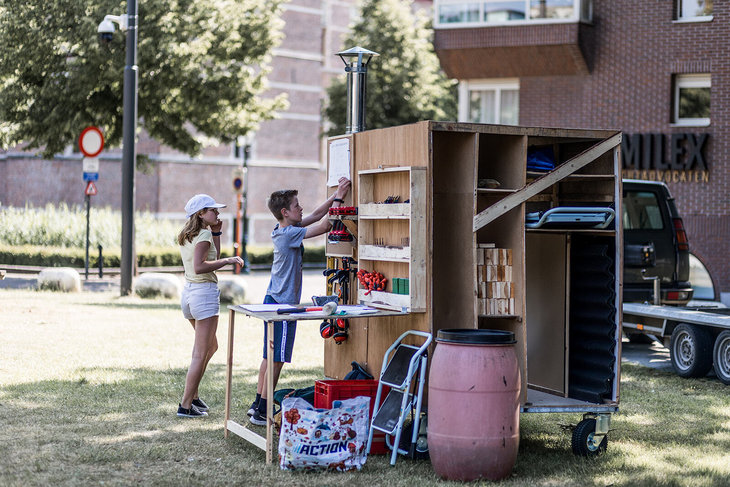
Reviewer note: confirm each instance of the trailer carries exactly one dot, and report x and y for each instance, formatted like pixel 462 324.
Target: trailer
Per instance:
pixel 698 338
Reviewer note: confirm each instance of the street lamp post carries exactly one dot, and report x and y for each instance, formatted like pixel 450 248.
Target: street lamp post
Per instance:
pixel 127 23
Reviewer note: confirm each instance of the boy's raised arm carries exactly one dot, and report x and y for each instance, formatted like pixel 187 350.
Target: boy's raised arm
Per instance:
pixel 342 188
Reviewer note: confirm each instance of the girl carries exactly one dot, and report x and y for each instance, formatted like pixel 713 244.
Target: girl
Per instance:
pixel 199 243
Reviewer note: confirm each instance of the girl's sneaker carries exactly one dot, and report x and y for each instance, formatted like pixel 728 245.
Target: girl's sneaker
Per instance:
pixel 193 412
pixel 253 408
pixel 200 404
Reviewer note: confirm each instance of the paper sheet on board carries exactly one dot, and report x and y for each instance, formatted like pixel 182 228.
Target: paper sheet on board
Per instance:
pixel 339 161
pixel 263 308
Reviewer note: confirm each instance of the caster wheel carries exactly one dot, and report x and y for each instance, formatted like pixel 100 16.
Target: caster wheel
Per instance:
pixel 583 443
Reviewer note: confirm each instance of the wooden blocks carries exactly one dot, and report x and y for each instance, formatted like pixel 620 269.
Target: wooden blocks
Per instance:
pixel 495 289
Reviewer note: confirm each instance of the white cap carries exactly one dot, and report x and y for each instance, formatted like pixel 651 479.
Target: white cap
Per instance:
pixel 198 202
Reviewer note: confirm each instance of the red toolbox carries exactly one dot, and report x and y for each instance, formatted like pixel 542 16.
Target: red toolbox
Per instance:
pixel 330 390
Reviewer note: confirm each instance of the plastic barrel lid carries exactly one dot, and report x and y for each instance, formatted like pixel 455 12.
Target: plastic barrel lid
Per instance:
pixel 476 337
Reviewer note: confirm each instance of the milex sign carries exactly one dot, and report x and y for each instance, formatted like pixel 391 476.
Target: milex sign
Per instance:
pixel 674 158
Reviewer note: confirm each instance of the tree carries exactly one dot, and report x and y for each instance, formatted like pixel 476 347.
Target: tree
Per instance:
pixel 202 69
pixel 405 83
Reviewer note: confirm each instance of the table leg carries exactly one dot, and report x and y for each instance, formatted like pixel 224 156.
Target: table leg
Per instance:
pixel 270 393
pixel 229 371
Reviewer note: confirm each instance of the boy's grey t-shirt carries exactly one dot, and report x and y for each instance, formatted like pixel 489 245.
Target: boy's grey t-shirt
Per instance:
pixel 286 272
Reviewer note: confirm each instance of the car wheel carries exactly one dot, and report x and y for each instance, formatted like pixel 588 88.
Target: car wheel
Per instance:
pixel 721 357
pixel 690 350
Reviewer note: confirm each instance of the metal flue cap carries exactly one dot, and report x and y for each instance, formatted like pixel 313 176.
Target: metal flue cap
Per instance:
pixel 357 52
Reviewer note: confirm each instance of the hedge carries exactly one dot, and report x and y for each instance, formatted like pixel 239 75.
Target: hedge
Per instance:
pixel 31 255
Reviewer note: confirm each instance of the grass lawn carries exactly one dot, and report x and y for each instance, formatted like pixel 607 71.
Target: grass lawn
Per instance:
pixel 89 386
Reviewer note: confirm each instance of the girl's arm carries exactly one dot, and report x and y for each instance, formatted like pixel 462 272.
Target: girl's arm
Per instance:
pixel 202 266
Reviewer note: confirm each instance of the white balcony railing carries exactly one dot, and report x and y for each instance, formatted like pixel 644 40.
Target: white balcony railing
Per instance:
pixel 449 14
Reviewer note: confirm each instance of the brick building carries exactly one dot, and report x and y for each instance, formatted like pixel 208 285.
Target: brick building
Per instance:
pixel 286 152
pixel 658 71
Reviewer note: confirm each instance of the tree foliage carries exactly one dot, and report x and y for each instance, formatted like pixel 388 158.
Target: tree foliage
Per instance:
pixel 202 68
pixel 405 83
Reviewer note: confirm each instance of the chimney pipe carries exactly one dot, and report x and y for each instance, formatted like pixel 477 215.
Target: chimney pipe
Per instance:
pixel 356 62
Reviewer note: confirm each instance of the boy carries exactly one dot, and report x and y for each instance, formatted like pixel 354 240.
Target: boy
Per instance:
pixel 285 286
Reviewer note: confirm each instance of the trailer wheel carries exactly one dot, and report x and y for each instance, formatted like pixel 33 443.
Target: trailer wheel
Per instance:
pixel 690 350
pixel 583 439
pixel 721 357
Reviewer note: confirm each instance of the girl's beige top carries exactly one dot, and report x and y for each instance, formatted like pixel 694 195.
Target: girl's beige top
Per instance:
pixel 188 250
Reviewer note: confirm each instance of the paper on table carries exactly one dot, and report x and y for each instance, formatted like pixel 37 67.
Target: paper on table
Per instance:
pixel 346 309
pixel 263 308
pixel 356 309
pixel 339 162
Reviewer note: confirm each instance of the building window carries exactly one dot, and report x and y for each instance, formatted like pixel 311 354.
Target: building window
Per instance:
pixel 495 12
pixel 458 13
pixel 487 101
pixel 694 9
pixel 692 99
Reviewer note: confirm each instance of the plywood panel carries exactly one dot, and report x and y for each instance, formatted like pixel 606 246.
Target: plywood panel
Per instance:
pixel 454 168
pixel 342 249
pixel 503 158
pixel 384 331
pixel 337 358
pixel 454 291
pixel 407 145
pixel 545 316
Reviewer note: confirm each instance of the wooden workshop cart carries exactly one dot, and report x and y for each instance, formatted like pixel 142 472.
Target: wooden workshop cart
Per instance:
pixel 458 234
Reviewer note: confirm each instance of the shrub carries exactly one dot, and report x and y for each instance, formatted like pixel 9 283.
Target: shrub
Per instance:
pixel 56 237
pixel 46 256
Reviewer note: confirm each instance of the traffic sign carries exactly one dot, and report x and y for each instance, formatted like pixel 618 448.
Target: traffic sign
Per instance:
pixel 238 180
pixel 91 141
pixel 90 167
pixel 90 189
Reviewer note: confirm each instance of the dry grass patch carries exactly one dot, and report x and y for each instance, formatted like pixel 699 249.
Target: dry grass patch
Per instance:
pixel 89 385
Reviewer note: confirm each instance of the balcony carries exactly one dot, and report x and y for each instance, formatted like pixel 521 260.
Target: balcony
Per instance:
pixel 497 39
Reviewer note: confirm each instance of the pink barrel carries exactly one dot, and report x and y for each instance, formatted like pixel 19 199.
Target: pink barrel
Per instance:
pixel 474 404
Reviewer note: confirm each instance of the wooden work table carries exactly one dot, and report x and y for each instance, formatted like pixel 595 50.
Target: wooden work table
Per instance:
pixel 269 314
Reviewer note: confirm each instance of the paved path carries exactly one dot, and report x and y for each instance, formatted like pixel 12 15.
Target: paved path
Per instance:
pixel 649 355
pixel 313 283
pixel 652 355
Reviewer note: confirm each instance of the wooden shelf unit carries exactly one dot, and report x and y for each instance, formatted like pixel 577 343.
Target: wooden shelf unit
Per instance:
pixel 392 236
pixel 459 217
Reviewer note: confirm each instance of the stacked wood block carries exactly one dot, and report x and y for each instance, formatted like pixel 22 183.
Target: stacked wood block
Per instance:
pixel 495 289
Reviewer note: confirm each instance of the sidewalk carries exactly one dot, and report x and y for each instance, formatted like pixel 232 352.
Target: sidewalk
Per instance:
pixel 313 283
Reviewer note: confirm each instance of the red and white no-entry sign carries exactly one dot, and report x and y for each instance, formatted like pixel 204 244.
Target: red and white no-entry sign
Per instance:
pixel 90 189
pixel 91 141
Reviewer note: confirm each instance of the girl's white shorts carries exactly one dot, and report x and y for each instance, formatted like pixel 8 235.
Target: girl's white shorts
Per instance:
pixel 200 300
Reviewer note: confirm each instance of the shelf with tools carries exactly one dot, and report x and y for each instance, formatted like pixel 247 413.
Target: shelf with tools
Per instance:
pixel 392 235
pixel 348 221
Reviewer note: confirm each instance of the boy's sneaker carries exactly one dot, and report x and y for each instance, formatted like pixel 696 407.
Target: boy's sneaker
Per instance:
pixel 258 418
pixel 254 407
pixel 193 412
pixel 200 404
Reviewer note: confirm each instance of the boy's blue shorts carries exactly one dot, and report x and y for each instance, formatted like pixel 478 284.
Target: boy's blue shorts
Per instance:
pixel 284 333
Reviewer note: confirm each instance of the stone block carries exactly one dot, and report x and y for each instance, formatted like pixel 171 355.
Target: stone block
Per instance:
pixel 63 279
pixel 233 289
pixel 156 284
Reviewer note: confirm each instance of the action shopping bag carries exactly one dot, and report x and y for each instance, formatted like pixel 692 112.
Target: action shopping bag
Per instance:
pixel 324 439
